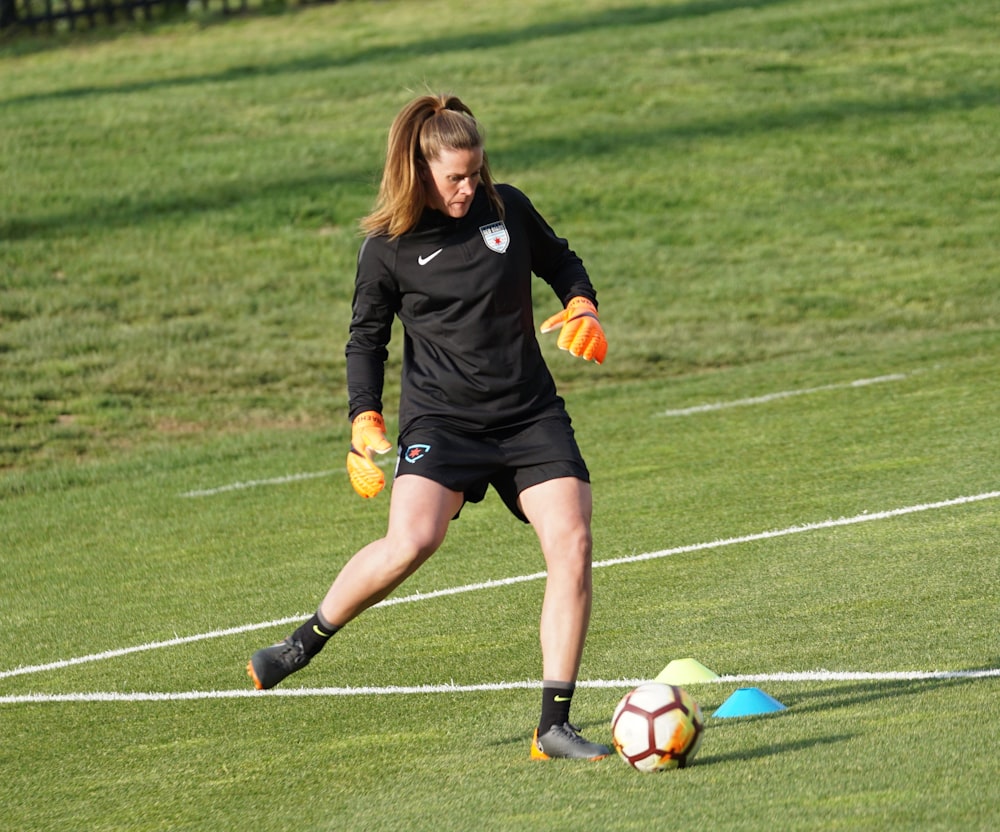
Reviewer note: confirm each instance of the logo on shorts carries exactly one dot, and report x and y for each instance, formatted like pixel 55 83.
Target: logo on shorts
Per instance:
pixel 495 236
pixel 416 452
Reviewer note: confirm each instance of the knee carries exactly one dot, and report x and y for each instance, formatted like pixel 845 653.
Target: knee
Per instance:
pixel 582 542
pixel 577 537
pixel 571 549
pixel 405 552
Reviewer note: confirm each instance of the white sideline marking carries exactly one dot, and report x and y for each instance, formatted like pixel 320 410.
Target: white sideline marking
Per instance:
pixel 866 517
pixel 457 590
pixel 283 480
pixel 239 486
pixel 625 684
pixel 770 397
pixel 152 645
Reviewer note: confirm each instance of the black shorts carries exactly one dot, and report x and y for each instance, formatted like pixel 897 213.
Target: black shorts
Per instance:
pixel 510 460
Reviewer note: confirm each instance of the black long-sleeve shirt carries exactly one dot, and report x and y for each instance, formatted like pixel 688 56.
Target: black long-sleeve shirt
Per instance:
pixel 462 290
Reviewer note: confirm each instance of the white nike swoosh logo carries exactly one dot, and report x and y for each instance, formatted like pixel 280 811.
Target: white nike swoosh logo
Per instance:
pixel 423 261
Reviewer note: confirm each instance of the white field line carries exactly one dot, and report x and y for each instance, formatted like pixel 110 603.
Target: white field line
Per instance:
pixel 282 480
pixel 502 582
pixel 866 517
pixel 240 486
pixel 405 690
pixel 784 394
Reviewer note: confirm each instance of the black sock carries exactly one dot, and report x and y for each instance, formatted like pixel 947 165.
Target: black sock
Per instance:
pixel 314 634
pixel 556 699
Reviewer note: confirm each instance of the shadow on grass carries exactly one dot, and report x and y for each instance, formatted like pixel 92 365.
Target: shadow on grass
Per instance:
pixel 819 701
pixel 843 696
pixel 492 39
pixel 846 696
pixel 616 140
pixel 770 750
pixel 530 154
pixel 183 203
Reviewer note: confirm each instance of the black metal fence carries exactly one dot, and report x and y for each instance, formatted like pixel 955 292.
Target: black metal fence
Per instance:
pixel 53 15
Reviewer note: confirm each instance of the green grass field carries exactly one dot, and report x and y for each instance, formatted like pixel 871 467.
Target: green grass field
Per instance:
pixel 789 209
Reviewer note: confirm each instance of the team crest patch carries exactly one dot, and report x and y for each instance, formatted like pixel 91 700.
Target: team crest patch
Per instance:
pixel 415 452
pixel 495 236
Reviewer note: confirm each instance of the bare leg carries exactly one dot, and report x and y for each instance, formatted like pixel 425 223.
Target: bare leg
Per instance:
pixel 419 514
pixel 560 512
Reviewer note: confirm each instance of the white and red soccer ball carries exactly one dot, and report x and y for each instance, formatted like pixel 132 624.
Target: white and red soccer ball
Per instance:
pixel 657 727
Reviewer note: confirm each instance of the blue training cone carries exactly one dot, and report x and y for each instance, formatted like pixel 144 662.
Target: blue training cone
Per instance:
pixel 748 702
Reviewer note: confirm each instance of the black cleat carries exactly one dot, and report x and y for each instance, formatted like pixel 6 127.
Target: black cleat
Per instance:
pixel 270 665
pixel 565 741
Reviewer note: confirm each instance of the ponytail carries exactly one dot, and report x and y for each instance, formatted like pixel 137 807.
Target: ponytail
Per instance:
pixel 423 129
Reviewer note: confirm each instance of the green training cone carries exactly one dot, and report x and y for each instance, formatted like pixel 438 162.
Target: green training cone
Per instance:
pixel 685 672
pixel 748 702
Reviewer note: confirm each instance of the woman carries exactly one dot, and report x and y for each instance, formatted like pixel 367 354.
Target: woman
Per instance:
pixel 451 254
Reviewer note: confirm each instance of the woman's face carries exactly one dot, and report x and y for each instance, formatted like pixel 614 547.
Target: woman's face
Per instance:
pixel 451 181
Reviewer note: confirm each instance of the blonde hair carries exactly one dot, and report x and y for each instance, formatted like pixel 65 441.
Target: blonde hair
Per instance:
pixel 421 131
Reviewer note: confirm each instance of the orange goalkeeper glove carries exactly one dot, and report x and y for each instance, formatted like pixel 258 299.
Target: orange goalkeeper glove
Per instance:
pixel 581 332
pixel 367 439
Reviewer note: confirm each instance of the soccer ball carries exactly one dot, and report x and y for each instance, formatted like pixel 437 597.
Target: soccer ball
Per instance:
pixel 657 727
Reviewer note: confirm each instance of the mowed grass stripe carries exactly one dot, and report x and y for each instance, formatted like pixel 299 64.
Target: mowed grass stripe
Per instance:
pixel 502 582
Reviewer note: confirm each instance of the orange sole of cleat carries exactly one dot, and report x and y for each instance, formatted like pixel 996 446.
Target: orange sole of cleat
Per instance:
pixel 253 677
pixel 536 752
